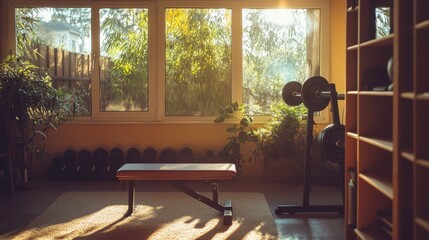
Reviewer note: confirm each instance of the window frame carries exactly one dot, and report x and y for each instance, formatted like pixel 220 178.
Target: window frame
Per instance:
pixel 323 5
pixel 151 114
pixel 156 78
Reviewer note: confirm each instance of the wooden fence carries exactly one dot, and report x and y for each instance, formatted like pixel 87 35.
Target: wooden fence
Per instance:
pixel 72 70
pixel 69 69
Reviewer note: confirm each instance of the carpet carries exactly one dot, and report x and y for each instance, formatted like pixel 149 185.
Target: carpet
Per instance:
pixel 159 215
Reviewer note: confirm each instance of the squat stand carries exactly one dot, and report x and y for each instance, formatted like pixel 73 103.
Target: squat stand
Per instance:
pixel 306 207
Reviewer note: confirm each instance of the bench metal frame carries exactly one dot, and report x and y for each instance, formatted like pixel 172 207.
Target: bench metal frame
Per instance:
pixel 167 172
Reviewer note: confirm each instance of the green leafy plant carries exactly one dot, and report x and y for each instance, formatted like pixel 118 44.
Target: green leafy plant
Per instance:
pixel 274 140
pixel 277 137
pixel 30 103
pixel 280 143
pixel 239 134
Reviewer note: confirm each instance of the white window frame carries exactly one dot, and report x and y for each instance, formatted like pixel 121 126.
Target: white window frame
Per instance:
pixel 156 95
pixel 151 114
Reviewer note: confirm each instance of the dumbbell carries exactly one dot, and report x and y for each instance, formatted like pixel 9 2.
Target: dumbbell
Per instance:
pixel 315 93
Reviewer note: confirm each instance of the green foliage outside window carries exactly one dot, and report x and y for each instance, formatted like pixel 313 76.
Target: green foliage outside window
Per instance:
pixel 126 44
pixel 198 47
pixel 273 53
pixel 198 61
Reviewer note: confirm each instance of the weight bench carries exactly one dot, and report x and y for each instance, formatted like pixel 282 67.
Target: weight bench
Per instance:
pixel 175 172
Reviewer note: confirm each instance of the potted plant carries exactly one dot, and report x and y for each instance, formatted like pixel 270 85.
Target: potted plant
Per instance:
pixel 276 141
pixel 280 142
pixel 31 107
pixel 239 134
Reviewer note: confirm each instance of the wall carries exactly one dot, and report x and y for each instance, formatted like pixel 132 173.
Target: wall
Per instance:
pixel 338 49
pixel 200 137
pixel 3 31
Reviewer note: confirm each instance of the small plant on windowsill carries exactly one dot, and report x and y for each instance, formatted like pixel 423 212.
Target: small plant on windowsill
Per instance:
pixel 239 134
pixel 31 106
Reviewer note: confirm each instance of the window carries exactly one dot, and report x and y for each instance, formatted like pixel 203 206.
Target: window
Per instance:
pixel 279 45
pixel 198 68
pixel 124 60
pixel 173 60
pixel 58 40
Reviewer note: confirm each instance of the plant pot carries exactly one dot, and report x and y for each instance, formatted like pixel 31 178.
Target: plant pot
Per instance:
pixel 24 183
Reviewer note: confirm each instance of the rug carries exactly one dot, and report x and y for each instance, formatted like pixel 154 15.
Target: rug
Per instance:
pixel 159 215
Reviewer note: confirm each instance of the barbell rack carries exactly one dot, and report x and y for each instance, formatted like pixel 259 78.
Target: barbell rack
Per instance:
pixel 306 207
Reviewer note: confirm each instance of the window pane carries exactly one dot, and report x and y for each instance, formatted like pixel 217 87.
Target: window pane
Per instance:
pixel 198 61
pixel 279 45
pixel 58 40
pixel 124 60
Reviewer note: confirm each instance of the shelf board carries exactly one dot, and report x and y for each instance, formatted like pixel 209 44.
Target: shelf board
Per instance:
pixel 408 95
pixel 380 181
pixel 372 233
pixel 408 155
pixel 423 223
pixel 353 9
pixel 376 93
pixel 353 135
pixel 353 48
pixel 423 25
pixel 423 96
pixel 386 41
pixel 381 143
pixel 423 163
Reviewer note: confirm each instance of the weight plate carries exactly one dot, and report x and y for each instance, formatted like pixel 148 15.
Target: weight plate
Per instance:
pixel 308 93
pixel 288 93
pixel 331 142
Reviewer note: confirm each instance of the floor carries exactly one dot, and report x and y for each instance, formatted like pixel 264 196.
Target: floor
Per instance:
pixel 26 205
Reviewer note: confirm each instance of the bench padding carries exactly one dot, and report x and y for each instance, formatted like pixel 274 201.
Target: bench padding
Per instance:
pixel 176 171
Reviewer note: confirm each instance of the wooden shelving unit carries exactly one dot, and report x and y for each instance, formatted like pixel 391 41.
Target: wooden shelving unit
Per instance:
pixel 420 104
pixel 386 139
pixel 385 127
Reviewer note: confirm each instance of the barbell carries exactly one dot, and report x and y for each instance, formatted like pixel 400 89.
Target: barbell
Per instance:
pixel 315 93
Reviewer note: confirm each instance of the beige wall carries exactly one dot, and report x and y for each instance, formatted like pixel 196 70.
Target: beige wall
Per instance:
pixel 2 27
pixel 200 137
pixel 337 48
pixel 338 44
